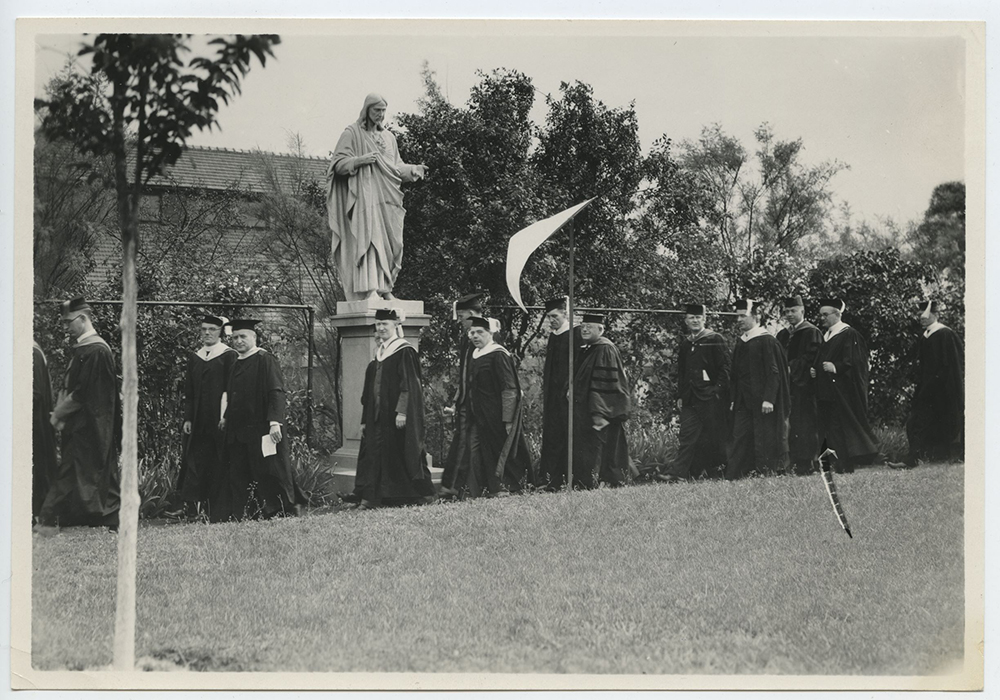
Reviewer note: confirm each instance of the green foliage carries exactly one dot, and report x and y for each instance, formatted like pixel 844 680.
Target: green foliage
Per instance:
pixel 141 82
pixel 940 238
pixel 881 291
pixel 71 210
pixel 763 203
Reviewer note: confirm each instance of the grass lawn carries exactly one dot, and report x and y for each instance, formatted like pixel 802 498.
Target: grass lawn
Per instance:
pixel 747 577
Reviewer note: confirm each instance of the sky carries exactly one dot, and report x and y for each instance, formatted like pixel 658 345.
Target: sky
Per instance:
pixel 890 107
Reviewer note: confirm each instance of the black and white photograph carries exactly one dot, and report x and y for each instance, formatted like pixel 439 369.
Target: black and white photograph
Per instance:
pixel 498 354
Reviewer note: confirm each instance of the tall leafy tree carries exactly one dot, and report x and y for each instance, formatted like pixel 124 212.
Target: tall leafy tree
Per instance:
pixel 482 190
pixel 765 201
pixel 940 238
pixel 139 103
pixel 587 149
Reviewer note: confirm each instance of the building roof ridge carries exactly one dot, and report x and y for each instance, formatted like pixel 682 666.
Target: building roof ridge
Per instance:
pixel 252 151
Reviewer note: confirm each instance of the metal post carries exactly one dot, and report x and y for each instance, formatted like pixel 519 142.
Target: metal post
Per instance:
pixel 572 342
pixel 309 379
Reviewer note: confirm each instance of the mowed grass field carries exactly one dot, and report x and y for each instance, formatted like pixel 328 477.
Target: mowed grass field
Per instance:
pixel 749 577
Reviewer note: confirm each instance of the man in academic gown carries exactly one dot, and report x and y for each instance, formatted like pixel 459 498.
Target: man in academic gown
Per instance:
pixel 85 488
pixel 936 424
pixel 703 366
pixel 841 373
pixel 554 461
pixel 392 463
pixel 498 453
pixel 43 437
pixel 602 402
pixel 760 401
pixel 207 371
pixel 259 480
pixel 801 341
pixel 464 310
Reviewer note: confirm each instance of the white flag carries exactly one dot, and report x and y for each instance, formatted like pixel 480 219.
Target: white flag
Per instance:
pixel 523 243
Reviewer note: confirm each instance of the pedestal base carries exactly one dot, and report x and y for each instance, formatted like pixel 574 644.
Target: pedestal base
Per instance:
pixel 355 323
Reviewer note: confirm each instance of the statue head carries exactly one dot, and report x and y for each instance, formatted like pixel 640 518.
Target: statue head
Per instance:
pixel 373 113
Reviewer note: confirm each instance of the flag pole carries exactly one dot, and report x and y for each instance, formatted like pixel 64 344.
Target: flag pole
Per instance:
pixel 571 373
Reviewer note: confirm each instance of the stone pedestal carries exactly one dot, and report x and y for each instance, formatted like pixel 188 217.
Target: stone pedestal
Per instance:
pixel 355 323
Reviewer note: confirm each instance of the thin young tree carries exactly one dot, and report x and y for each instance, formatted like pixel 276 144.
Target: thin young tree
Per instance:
pixel 138 104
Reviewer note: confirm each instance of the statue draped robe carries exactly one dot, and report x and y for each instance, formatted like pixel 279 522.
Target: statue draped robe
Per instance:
pixel 365 207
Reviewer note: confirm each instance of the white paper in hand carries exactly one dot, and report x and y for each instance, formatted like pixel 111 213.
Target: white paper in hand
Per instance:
pixel 704 375
pixel 268 446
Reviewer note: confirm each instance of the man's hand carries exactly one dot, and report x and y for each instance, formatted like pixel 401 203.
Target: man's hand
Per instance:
pixel 222 424
pixel 56 423
pixel 400 421
pixel 421 171
pixel 275 434
pixel 508 427
pixel 767 407
pixel 600 423
pixel 367 159
pixel 812 372
pixel 680 404
pixel 187 427
pixel 830 367
pixel 449 410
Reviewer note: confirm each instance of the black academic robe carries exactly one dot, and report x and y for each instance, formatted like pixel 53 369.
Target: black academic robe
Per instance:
pixel 703 368
pixel 497 458
pixel 801 345
pixel 392 462
pixel 85 489
pixel 937 413
pixel 555 407
pixel 43 437
pixel 760 440
pixel 600 388
pixel 842 397
pixel 458 450
pixel 201 460
pixel 255 486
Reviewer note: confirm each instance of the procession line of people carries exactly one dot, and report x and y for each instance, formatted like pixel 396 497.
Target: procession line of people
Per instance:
pixel 766 407
pixel 234 464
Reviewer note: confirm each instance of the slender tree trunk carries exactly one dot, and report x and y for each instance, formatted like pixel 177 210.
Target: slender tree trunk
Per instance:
pixel 128 517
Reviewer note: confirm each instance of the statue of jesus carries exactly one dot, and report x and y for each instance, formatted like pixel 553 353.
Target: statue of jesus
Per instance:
pixel 365 204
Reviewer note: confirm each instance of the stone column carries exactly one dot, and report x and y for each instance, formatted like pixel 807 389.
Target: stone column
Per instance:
pixel 355 323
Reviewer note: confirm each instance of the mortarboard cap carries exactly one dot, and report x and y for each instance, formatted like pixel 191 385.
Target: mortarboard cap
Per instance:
pixel 833 303
pixel 694 309
pixel 928 307
pixel 789 302
pixel 74 307
pixel 557 303
pixel 480 322
pixel 469 302
pixel 220 321
pixel 748 305
pixel 593 318
pixel 389 315
pixel 244 324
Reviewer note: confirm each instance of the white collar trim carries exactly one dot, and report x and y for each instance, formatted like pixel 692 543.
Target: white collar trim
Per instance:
pixel 250 353
pixel 213 351
pixel 492 347
pixel 562 329
pixel 753 333
pixel 836 329
pixel 932 329
pixel 389 348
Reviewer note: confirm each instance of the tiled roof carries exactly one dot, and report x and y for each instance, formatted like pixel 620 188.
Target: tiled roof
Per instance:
pixel 220 168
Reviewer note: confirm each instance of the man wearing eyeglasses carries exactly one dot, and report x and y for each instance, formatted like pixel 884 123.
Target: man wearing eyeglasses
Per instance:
pixel 85 489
